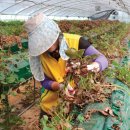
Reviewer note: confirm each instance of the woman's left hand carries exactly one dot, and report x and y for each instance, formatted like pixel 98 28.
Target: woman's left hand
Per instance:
pixel 94 67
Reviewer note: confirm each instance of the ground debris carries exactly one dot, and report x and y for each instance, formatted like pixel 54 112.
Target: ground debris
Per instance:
pixel 106 112
pixel 116 127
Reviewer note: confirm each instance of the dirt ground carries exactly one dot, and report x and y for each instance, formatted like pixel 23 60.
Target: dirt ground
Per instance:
pixel 23 99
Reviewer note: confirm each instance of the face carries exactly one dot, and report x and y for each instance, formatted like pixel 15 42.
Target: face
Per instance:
pixel 54 46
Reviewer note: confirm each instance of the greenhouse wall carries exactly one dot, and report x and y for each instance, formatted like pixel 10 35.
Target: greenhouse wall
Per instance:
pixel 24 18
pixel 122 16
pixel 13 17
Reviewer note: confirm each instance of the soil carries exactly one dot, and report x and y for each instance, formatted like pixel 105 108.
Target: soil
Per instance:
pixel 23 99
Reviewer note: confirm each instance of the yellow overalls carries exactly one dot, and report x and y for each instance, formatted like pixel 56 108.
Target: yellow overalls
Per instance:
pixel 55 70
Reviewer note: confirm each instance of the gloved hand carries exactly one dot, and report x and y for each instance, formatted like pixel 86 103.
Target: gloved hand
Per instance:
pixel 69 91
pixel 94 67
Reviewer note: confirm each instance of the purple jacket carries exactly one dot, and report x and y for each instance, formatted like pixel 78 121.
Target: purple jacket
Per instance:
pixel 101 59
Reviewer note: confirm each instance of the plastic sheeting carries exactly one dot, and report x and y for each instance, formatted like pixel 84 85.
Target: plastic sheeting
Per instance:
pixel 60 8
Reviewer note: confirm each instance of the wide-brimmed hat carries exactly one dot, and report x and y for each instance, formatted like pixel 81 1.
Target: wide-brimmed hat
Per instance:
pixel 35 63
pixel 42 33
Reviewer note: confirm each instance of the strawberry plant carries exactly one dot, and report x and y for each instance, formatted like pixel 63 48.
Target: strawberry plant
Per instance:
pixel 121 73
pixel 8 119
pixel 11 28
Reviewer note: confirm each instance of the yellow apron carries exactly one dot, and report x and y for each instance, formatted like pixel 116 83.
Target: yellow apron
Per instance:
pixel 55 70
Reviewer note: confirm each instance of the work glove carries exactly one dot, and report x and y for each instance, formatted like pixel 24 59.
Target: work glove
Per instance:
pixel 69 91
pixel 94 67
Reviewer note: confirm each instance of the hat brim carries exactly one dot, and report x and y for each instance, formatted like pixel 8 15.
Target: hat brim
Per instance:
pixel 43 37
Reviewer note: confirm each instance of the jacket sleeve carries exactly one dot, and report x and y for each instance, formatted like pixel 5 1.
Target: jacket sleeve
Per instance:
pixel 46 83
pixel 101 59
pixel 90 50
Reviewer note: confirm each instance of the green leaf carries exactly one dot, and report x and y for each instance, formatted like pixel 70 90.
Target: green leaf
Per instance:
pixel 73 53
pixel 13 93
pixel 2 76
pixel 3 82
pixel 124 49
pixel 3 96
pixel 22 80
pixel 80 118
pixel 80 52
pixel 44 123
pixel 11 78
pixel 115 63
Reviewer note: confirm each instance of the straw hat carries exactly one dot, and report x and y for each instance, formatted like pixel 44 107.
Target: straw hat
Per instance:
pixel 42 33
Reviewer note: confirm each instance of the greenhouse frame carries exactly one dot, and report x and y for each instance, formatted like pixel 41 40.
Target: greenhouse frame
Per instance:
pixel 61 8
